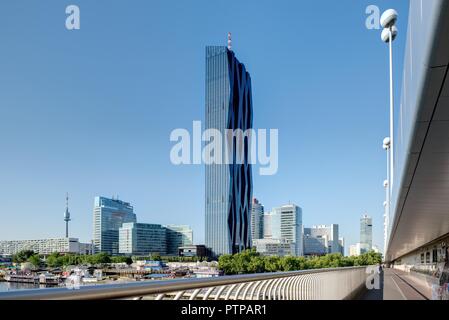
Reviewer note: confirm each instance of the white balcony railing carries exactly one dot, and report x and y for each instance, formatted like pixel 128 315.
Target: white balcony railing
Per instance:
pixel 321 284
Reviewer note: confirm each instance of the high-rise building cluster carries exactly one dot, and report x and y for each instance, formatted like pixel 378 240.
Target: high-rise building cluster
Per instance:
pixel 234 219
pixel 281 232
pixel 319 240
pixel 116 231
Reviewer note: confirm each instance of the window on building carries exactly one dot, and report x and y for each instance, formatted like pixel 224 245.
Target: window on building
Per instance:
pixel 422 257
pixel 428 257
pixel 435 255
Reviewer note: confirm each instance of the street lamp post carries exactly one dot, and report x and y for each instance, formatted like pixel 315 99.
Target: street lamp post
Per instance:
pixel 385 226
pixel 389 34
pixel 386 146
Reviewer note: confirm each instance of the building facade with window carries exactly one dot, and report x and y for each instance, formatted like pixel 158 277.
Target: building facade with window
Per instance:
pixel 286 224
pixel 199 251
pixel 108 217
pixel 45 246
pixel 274 247
pixel 178 236
pixel 142 239
pixel 228 186
pixel 320 240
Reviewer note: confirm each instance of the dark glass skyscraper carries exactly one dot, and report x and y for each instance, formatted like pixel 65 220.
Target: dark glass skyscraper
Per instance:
pixel 228 186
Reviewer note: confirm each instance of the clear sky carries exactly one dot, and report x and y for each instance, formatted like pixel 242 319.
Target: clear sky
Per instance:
pixel 90 111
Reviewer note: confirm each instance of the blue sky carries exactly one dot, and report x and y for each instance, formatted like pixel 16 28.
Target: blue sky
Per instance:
pixel 90 111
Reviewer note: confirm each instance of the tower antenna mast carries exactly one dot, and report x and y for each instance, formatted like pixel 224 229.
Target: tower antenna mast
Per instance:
pixel 67 215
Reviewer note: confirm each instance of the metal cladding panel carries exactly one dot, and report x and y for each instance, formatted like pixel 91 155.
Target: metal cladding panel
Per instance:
pixel 421 181
pixel 240 116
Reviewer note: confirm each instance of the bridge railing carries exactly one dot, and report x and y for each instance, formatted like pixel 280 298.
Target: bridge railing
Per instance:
pixel 321 284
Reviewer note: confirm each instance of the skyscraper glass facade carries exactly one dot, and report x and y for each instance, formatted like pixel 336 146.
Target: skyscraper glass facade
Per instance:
pixel 228 186
pixel 366 233
pixel 257 220
pixel 109 215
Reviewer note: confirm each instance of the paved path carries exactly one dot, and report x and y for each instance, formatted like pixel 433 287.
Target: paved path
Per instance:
pixel 398 285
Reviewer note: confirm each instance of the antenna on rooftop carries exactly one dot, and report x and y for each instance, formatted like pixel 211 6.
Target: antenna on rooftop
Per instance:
pixel 229 41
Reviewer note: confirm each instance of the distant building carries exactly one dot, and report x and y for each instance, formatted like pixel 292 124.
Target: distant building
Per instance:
pixel 286 224
pixel 142 239
pixel 178 236
pixel 314 246
pixel 366 233
pixel 44 246
pixel 267 225
pixel 355 249
pixel 341 242
pixel 193 251
pixel 275 247
pixel 257 220
pixel 321 239
pixel 109 215
pixel 86 248
pixel 149 265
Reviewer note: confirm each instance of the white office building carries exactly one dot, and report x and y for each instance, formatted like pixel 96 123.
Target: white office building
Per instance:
pixel 45 246
pixel 267 225
pixel 142 239
pixel 286 224
pixel 355 249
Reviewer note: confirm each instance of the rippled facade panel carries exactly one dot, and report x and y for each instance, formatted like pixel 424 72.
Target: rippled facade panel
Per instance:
pixel 228 186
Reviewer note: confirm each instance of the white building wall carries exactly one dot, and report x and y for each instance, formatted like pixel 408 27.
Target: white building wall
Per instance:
pixel 41 246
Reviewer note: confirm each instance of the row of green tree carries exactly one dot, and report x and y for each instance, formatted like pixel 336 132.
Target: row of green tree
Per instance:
pixel 250 261
pixel 55 260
